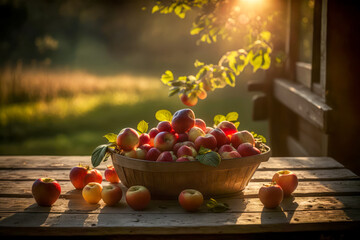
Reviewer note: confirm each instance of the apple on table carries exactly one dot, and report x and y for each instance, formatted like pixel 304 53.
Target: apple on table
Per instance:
pixel 138 197
pixel 92 192
pixel 287 180
pixel 190 200
pixel 111 194
pixel 46 191
pixel 271 195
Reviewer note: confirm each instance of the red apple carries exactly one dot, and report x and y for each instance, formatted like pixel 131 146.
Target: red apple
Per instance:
pixel 111 194
pixel 220 136
pixel 111 175
pixel 92 192
pixel 153 154
pixel 185 159
pixel 230 155
pixel 144 138
pixel 189 100
pixel 138 197
pixel 46 191
pixel 127 139
pixel 200 124
pixel 202 94
pixel 226 148
pixel 287 180
pixel 167 156
pixel 179 144
pixel 183 120
pixel 186 151
pixel 164 141
pixel 242 137
pixel 271 195
pixel 247 149
pixel 93 175
pixel 207 141
pixel 190 200
pixel 194 133
pixel 164 126
pixel 153 132
pixel 145 147
pixel 182 137
pixel 77 176
pixel 228 127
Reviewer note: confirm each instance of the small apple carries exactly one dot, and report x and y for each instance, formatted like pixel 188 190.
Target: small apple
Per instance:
pixel 186 151
pixel 202 94
pixel 164 126
pixel 242 137
pixel 111 194
pixel 140 153
pixel 190 200
pixel 93 175
pixel 182 137
pixel 230 155
pixel 167 156
pixel 207 141
pixel 185 159
pixel 127 139
pixel 130 154
pixel 77 176
pixel 287 180
pixel 190 100
pixel 271 195
pixel 145 147
pixel 153 154
pixel 111 175
pixel 220 136
pixel 138 197
pixel 164 141
pixel 183 120
pixel 92 192
pixel 226 148
pixel 179 144
pixel 247 149
pixel 144 138
pixel 46 191
pixel 194 133
pixel 200 124
pixel 208 129
pixel 228 127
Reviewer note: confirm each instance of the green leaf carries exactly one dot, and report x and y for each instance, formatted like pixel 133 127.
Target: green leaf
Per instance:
pixel 211 158
pixel 216 206
pixel 266 35
pixel 203 150
pixel 167 77
pixel 236 124
pixel 142 126
pixel 173 91
pixel 99 155
pixel 111 137
pixel 163 115
pixel 219 118
pixel 196 30
pixel 232 116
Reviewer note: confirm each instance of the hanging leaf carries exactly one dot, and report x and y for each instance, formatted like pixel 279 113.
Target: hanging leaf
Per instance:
pixel 163 115
pixel 99 155
pixel 142 126
pixel 167 77
pixel 111 137
pixel 219 118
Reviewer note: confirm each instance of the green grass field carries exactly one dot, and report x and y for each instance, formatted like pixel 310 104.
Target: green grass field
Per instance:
pixel 72 117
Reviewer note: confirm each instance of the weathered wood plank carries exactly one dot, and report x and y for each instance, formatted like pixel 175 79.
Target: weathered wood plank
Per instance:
pixel 63 175
pixel 67 162
pixel 196 223
pixel 323 188
pixel 71 206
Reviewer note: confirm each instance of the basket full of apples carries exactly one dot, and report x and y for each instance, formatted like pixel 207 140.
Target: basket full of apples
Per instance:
pixel 182 152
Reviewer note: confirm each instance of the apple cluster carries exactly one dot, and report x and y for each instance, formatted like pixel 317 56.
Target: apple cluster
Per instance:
pixel 283 184
pixel 180 140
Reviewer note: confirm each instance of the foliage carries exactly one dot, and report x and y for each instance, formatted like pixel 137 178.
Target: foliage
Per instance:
pixel 219 19
pixel 230 117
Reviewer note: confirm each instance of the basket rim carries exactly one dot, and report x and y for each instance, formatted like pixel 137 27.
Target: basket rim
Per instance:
pixel 153 166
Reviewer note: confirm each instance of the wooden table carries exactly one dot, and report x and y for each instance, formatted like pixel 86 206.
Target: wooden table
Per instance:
pixel 327 201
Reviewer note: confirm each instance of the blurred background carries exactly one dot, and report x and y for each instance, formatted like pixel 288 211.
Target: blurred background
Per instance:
pixel 72 71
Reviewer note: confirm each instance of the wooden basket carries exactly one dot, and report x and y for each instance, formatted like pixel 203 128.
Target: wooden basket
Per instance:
pixel 166 180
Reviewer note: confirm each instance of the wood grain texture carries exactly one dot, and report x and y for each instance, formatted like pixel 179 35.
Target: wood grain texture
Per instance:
pixel 327 198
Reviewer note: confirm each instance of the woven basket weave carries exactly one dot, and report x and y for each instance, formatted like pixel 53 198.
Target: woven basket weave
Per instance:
pixel 166 180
